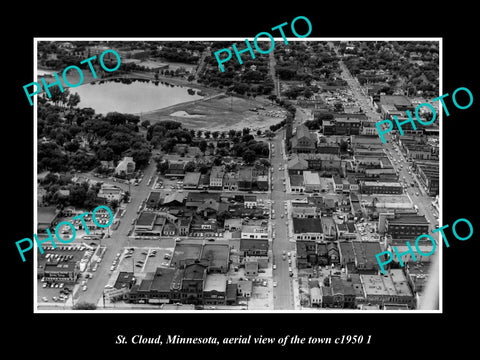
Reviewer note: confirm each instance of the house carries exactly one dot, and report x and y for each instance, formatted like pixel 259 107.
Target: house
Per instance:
pixel 329 228
pixel 196 199
pixel 307 229
pixel 250 201
pixel 333 253
pixel 175 199
pixel 216 177
pixel 125 167
pixel 230 181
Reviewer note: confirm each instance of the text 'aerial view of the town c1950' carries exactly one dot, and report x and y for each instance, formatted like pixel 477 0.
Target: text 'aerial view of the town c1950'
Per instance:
pixel 262 188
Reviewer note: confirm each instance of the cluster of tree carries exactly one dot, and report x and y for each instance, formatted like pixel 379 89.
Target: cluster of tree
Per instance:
pixel 251 78
pixel 103 137
pixel 176 54
pixel 80 195
pixel 317 121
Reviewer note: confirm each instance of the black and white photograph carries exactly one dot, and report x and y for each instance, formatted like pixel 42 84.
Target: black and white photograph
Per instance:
pixel 291 181
pixel 235 181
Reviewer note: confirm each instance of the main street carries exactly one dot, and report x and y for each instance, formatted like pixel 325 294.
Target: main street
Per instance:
pixel 283 293
pixel 117 241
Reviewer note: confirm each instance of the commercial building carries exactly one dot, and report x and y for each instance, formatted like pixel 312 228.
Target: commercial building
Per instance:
pixel 110 192
pixel 215 289
pixel 307 229
pixel 406 227
pixel 303 141
pixel 379 187
pixel 311 181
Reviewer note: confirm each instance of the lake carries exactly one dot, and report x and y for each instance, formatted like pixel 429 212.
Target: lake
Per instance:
pixel 134 98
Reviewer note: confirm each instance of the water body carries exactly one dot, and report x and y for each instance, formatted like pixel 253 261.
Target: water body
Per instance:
pixel 132 98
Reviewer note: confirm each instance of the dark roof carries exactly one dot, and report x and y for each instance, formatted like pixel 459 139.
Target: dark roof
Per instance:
pixel 162 279
pixel 146 218
pixel 301 226
pixel 253 244
pixel 123 278
pixel 194 272
pixel 409 219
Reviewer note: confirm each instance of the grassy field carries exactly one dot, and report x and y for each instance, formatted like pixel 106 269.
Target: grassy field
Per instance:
pixel 221 113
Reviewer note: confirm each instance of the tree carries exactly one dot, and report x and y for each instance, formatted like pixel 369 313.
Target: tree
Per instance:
pixel 249 156
pixel 202 146
pixel 83 305
pixel 190 166
pixel 145 124
pixel 207 134
pixel 246 131
pixel 73 100
pixel 259 132
pixel 215 134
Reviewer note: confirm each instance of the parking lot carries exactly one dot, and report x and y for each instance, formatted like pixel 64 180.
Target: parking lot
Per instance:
pixel 49 291
pixel 140 260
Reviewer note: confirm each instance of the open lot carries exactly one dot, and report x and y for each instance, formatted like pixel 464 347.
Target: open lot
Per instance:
pixel 221 113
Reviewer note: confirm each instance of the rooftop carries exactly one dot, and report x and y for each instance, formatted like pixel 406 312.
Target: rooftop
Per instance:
pixel 215 282
pixel 301 226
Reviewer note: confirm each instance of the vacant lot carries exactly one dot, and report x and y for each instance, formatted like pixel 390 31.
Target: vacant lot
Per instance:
pixel 221 113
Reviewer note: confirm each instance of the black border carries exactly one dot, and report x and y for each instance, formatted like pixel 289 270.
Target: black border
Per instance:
pixel 394 333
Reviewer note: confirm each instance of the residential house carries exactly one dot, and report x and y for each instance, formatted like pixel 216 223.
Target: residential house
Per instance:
pixel 125 167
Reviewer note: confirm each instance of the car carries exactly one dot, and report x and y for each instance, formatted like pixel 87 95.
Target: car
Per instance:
pixel 45 285
pixel 45 299
pixel 274 267
pixel 417 194
pixel 138 265
pixel 84 288
pixel 289 261
pixel 274 284
pixel 112 268
pixel 284 257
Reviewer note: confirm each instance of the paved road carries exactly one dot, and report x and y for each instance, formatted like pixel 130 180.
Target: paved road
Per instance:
pixel 117 241
pixel 283 293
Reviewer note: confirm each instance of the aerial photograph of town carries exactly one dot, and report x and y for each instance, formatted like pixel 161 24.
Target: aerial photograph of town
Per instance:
pixel 175 186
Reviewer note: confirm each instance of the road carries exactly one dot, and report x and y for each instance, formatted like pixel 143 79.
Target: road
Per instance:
pixel 283 293
pixel 118 240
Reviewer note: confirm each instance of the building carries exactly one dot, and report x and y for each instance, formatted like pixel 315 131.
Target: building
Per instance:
pixel 297 165
pixel 347 126
pixel 378 187
pixel 254 247
pixel 110 193
pixel 216 257
pixel 125 167
pixel 216 177
pixel 429 177
pixel 303 141
pixel 296 184
pixel 307 229
pixel 193 283
pixel 191 180
pixel 46 218
pixel 215 289
pixel 154 199
pixel 406 227
pixel 390 288
pixel 60 272
pixel 245 179
pixel 250 201
pixel 311 181
pixel 359 257
pixel 155 288
pixel 230 181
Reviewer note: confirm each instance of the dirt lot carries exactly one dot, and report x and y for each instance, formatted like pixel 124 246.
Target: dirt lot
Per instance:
pixel 222 113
